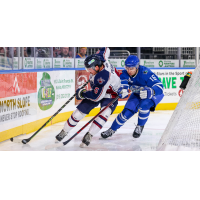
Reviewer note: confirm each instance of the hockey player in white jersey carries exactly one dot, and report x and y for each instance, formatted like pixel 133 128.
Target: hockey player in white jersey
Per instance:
pixel 105 83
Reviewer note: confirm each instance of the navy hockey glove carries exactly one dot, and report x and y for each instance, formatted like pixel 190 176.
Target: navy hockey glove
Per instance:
pixel 80 93
pixel 147 93
pixel 122 93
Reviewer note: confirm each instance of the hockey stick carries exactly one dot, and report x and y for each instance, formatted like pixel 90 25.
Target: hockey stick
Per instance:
pixel 66 142
pixel 24 141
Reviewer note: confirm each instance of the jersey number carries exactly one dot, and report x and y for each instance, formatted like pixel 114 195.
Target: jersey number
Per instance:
pixel 96 90
pixel 153 78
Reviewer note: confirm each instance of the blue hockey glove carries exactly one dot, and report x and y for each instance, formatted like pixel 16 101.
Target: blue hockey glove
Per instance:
pixel 122 93
pixel 80 93
pixel 147 93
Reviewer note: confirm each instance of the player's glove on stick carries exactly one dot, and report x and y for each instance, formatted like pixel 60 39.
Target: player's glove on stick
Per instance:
pixel 122 93
pixel 80 94
pixel 147 93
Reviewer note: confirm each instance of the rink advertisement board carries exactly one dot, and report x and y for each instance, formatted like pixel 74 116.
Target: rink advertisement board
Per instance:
pixel 79 63
pixel 171 80
pixel 63 62
pixel 54 88
pixel 15 63
pixel 5 63
pixel 41 63
pixel 159 63
pixel 117 62
pixel 28 63
pixel 17 99
pixel 188 63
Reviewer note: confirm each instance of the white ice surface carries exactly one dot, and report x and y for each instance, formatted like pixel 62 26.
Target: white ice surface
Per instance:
pixel 122 140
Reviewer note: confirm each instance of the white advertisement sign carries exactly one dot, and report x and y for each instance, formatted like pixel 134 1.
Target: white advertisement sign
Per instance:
pixel 188 63
pixel 15 63
pixel 28 63
pixel 43 63
pixel 5 63
pixel 54 89
pixel 159 63
pixel 171 80
pixel 117 62
pixel 79 63
pixel 63 63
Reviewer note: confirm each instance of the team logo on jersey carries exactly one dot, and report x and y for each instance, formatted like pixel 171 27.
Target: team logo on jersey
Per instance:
pixel 145 72
pixel 100 80
pixel 129 80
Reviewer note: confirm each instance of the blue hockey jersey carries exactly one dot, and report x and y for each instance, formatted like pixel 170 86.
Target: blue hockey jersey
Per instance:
pixel 144 77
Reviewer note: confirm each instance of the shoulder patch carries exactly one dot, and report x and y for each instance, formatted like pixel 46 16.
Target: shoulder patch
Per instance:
pixel 100 80
pixel 145 72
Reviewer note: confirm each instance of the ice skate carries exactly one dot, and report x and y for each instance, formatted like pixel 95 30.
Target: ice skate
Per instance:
pixel 138 131
pixel 107 133
pixel 86 140
pixel 60 136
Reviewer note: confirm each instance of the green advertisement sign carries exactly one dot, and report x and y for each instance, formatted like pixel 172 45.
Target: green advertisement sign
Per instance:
pixel 46 93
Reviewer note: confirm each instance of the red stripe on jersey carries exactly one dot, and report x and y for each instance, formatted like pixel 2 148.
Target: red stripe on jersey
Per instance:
pixel 117 72
pixel 102 117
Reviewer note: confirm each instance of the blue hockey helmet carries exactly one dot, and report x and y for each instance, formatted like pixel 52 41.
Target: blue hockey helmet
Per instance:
pixel 132 61
pixel 92 61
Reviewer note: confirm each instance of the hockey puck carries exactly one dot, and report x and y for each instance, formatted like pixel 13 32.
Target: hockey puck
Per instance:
pixel 11 139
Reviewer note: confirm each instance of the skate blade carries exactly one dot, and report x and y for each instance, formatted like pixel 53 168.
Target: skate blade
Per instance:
pixel 56 141
pixel 82 145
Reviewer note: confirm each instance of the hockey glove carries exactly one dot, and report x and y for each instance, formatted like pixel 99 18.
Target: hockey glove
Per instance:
pixel 147 93
pixel 122 93
pixel 133 88
pixel 80 94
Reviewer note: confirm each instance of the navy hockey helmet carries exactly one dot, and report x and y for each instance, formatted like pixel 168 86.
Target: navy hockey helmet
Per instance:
pixel 92 61
pixel 132 61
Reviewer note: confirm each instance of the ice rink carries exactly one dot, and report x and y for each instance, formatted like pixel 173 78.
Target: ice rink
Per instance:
pixel 122 140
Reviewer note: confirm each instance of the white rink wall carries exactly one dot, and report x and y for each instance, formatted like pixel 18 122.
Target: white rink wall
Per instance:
pixel 24 107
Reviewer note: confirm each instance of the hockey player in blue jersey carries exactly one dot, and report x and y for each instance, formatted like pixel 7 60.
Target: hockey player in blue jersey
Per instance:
pixel 105 83
pixel 145 101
